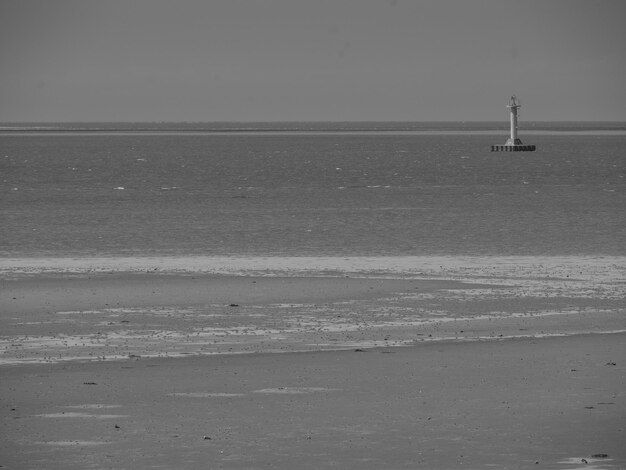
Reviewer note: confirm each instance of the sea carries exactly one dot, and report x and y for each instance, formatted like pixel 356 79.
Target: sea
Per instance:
pixel 543 232
pixel 310 189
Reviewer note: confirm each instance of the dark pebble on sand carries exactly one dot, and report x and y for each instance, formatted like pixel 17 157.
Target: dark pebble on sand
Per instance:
pixel 234 305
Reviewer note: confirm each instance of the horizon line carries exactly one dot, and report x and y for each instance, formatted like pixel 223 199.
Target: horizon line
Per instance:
pixel 309 121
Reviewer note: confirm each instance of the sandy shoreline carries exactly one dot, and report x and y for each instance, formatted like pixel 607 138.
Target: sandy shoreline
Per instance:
pixel 113 316
pixel 521 403
pixel 442 267
pixel 501 367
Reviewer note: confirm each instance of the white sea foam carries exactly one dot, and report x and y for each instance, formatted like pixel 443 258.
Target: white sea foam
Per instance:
pixel 605 268
pixel 74 414
pixel 294 390
pixel 206 394
pixel 74 443
pixel 93 406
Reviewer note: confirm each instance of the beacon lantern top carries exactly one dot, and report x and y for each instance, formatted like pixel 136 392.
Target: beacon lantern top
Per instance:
pixel 514 102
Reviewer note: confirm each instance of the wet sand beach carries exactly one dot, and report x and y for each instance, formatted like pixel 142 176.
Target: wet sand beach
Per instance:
pixel 508 404
pixel 144 370
pixel 68 316
pixel 115 316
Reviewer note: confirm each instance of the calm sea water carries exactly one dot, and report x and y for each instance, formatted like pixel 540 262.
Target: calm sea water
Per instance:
pixel 333 190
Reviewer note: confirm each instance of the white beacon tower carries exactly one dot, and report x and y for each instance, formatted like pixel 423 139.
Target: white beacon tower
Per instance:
pixel 513 144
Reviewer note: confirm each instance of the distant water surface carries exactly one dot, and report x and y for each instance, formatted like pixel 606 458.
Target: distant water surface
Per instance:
pixel 322 189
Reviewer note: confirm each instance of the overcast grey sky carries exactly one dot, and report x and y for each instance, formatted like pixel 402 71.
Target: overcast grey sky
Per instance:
pixel 272 60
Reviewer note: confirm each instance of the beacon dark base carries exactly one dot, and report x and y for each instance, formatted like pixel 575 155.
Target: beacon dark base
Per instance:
pixel 513 148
